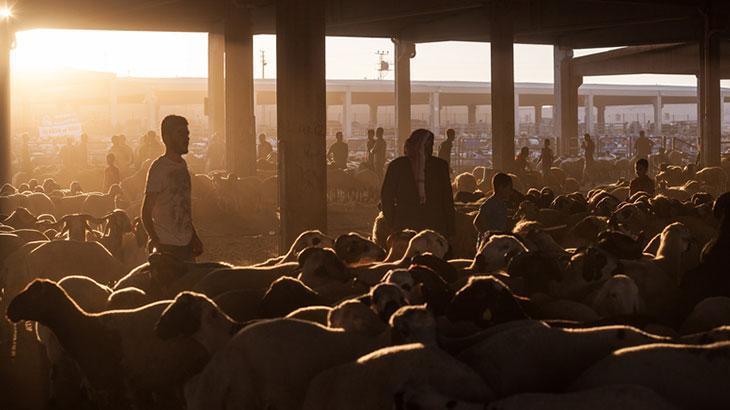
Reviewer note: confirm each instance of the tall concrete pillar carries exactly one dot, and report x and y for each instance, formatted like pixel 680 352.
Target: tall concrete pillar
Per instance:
pixel 240 123
pixel 565 111
pixel 538 118
pixel 435 116
pixel 153 110
pixel 589 114
pixel 471 114
pixel 373 122
pixel 503 85
pixel 722 110
pixel 601 117
pixel 216 85
pixel 658 117
pixel 404 52
pixel 709 85
pixel 347 114
pixel 301 113
pixel 517 114
pixel 5 130
pixel 113 105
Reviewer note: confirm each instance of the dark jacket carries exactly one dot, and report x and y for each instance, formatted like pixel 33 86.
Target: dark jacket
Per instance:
pixel 400 202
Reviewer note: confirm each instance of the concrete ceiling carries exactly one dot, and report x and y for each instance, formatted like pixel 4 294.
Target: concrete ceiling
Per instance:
pixel 572 23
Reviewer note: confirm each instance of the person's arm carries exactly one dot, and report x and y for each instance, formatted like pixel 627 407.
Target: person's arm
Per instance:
pixel 480 220
pixel 150 198
pixel 448 202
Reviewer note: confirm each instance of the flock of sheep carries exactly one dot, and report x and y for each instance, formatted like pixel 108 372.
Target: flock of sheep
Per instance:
pixel 582 305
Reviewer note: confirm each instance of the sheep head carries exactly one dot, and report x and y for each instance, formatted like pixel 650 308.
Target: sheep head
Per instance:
pixel 619 296
pixel 675 234
pixel 427 241
pixel 353 249
pixel 385 299
pixel 354 316
pixel 593 264
pixel 397 243
pixel 38 301
pixel 286 295
pixel 446 271
pixel 310 239
pixel 320 266
pixel 485 301
pixel 404 280
pixel 413 324
pixel 496 252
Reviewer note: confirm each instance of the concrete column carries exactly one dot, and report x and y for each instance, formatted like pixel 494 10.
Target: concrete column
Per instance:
pixel 435 116
pixel 301 116
pixel 589 114
pixel 538 118
pixel 658 117
pixel 471 114
pixel 503 85
pixel 722 110
pixel 113 110
pixel 565 111
pixel 240 122
pixel 216 75
pixel 373 122
pixel 347 114
pixel 601 117
pixel 5 129
pixel 517 114
pixel 404 52
pixel 710 93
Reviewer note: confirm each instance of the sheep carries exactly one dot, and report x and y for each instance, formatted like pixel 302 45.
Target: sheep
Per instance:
pixel 117 225
pixel 355 250
pixel 126 359
pixel 30 235
pixel 286 295
pixel 687 376
pixel 76 226
pixel 485 301
pixel 98 205
pixel 618 296
pixel 373 380
pixel 316 314
pixel 545 359
pixel 126 298
pixel 707 315
pixel 386 299
pixel 627 397
pixel 21 218
pixel 307 239
pixel 397 243
pixel 496 252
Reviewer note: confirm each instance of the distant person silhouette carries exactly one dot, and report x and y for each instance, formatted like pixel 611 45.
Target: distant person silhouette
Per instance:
pixel 216 153
pixel 111 173
pixel 369 147
pixel 122 153
pixel 166 210
pixel 589 148
pixel 416 192
pixel 447 145
pixel 642 183
pixel 150 147
pixel 379 152
pixel 265 148
pixel 83 151
pixel 338 152
pixel 522 160
pixel 643 146
pixel 493 215
pixel 67 154
pixel 546 159
pixel 25 162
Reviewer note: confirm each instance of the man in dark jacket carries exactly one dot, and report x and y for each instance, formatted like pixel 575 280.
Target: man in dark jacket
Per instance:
pixel 416 192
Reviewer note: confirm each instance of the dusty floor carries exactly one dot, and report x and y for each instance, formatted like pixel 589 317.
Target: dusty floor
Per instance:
pixel 241 245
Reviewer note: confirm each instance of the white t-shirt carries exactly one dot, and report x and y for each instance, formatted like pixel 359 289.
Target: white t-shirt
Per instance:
pixel 171 215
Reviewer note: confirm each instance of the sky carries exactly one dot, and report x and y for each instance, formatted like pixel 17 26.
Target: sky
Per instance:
pixel 156 54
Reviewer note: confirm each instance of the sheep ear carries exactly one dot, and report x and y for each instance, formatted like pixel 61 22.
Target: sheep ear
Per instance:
pixel 479 263
pixel 304 255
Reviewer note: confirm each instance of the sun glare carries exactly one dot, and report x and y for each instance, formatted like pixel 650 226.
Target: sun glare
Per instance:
pixel 6 12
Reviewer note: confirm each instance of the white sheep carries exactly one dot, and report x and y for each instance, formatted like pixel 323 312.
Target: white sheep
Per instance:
pixel 618 296
pixel 496 252
pixel 710 313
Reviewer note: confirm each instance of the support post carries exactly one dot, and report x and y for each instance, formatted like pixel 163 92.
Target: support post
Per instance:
pixel 710 92
pixel 240 129
pixel 373 115
pixel 301 117
pixel 517 114
pixel 216 87
pixel 565 112
pixel 435 113
pixel 658 116
pixel 601 118
pixel 471 114
pixel 5 129
pixel 588 114
pixel 113 105
pixel 503 85
pixel 404 52
pixel 347 114
pixel 538 118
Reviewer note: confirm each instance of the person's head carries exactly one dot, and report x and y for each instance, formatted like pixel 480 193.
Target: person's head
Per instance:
pixel 419 139
pixel 586 137
pixel 524 152
pixel 450 134
pixel 379 132
pixel 502 185
pixel 175 134
pixel 338 136
pixel 115 139
pixel 642 167
pixel 110 159
pixel 547 143
pixel 262 137
pixel 642 134
pixel 371 133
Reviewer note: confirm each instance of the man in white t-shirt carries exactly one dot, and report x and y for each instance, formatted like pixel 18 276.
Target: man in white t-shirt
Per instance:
pixel 166 211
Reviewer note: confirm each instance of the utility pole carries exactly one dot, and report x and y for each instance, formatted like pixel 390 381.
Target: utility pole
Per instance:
pixel 383 64
pixel 264 63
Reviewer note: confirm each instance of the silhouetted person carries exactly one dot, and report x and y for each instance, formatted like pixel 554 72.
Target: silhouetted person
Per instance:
pixel 370 144
pixel 493 213
pixel 111 173
pixel 642 146
pixel 416 192
pixel 642 183
pixel 265 148
pixel 67 154
pixel 589 149
pixel 122 153
pixel 522 160
pixel 446 146
pixel 338 152
pixel 150 147
pixel 216 153
pixel 379 151
pixel 166 210
pixel 546 159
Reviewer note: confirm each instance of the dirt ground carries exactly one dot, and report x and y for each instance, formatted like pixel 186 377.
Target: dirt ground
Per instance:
pixel 242 245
